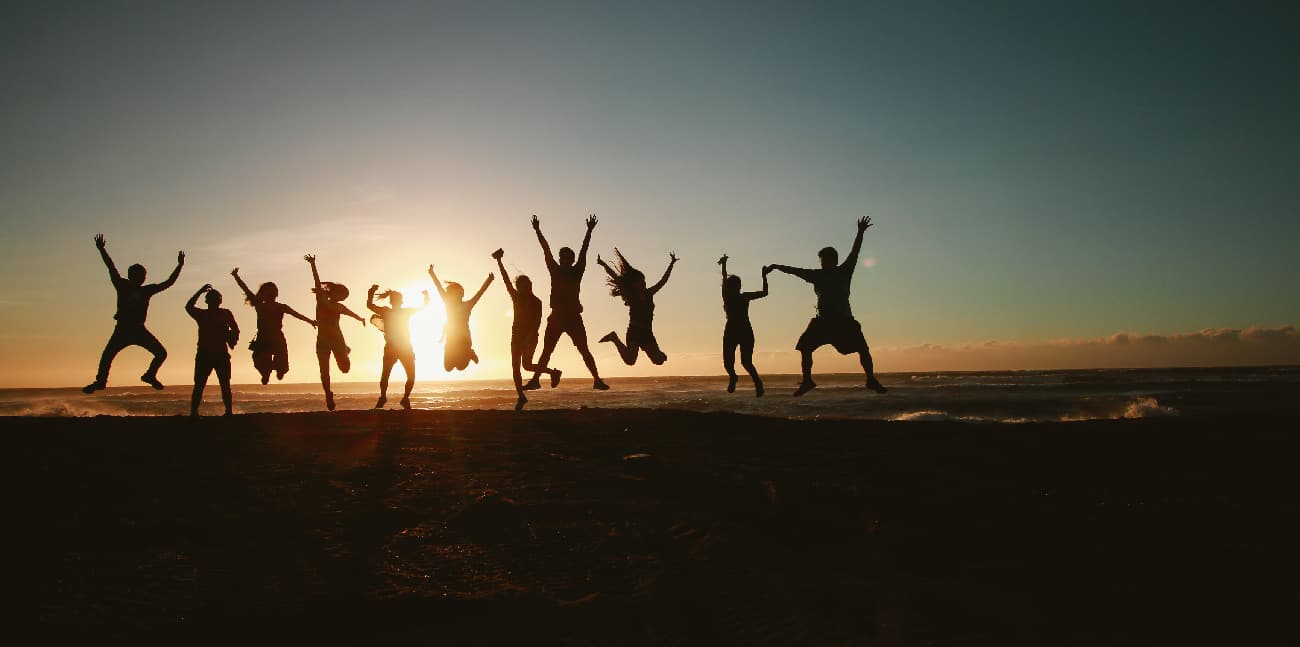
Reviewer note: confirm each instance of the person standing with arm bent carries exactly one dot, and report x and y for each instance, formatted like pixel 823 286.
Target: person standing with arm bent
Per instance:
pixel 834 323
pixel 738 331
pixel 218 332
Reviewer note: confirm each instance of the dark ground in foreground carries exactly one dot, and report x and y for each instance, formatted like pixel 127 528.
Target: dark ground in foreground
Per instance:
pixel 651 527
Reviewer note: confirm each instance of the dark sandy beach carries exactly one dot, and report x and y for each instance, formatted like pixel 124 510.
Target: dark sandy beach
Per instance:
pixel 652 527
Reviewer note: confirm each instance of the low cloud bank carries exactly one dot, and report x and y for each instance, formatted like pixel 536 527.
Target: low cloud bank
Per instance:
pixel 1255 345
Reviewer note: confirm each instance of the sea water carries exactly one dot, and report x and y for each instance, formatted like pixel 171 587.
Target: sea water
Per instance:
pixel 1008 396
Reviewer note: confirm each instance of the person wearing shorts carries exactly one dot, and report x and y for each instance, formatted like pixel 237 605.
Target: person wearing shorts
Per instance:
pixel 834 323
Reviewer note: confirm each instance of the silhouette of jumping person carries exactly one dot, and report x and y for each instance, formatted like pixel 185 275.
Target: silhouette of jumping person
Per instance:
pixel 523 332
pixel 458 350
pixel 395 322
pixel 217 333
pixel 270 350
pixel 329 337
pixel 629 283
pixel 738 331
pixel 132 309
pixel 834 323
pixel 566 309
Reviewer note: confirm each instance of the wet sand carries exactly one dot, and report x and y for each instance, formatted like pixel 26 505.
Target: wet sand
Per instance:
pixel 651 527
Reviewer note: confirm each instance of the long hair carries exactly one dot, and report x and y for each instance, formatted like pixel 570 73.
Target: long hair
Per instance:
pixel 629 280
pixel 332 291
pixel 266 293
pixel 389 294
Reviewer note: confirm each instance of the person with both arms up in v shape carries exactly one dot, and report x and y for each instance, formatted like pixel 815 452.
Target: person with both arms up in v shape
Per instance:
pixel 566 308
pixel 132 309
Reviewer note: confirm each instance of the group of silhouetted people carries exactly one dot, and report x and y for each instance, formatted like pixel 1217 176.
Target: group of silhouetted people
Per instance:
pixel 833 324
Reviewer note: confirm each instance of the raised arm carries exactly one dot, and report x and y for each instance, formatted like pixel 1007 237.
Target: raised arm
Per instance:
pixel 252 298
pixel 851 261
pixel 803 273
pixel 510 287
pixel 298 315
pixel 672 260
pixel 176 273
pixel 477 295
pixel 370 301
pixel 191 306
pixel 436 283
pixel 761 293
pixel 546 249
pixel 723 262
pixel 586 242
pixel 102 245
pixel 315 275
pixel 608 270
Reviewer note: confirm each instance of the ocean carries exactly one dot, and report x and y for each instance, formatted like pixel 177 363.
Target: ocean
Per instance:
pixel 993 396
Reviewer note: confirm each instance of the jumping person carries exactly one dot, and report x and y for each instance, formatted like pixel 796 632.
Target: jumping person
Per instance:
pixel 132 309
pixel 218 332
pixel 629 283
pixel 834 323
pixel 395 322
pixel 270 350
pixel 459 349
pixel 566 309
pixel 738 331
pixel 329 337
pixel 523 331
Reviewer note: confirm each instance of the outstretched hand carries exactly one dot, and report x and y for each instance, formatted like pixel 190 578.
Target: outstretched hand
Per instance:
pixel 234 272
pixel 310 258
pixel 180 258
pixel 591 222
pixel 499 253
pixel 537 224
pixel 99 241
pixel 863 223
pixel 672 258
pixel 723 260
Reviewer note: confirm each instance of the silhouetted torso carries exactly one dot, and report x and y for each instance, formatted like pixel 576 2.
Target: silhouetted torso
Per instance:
pixel 327 318
pixel 528 314
pixel 641 311
pixel 566 282
pixel 832 288
pixel 737 309
pixel 133 301
pixel 270 318
pixel 213 327
pixel 397 327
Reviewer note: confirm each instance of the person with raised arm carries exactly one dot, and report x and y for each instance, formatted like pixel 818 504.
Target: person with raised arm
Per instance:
pixel 395 322
pixel 566 308
pixel 329 336
pixel 218 333
pixel 834 323
pixel 270 350
pixel 738 332
pixel 527 310
pixel 629 283
pixel 458 350
pixel 132 310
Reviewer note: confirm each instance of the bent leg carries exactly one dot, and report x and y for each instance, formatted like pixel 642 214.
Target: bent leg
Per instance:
pixel 151 344
pixel 114 346
pixel 578 333
pixel 549 339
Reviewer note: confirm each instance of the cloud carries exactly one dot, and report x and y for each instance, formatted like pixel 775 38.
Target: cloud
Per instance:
pixel 1255 345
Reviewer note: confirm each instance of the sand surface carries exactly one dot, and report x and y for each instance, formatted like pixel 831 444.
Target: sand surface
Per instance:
pixel 654 527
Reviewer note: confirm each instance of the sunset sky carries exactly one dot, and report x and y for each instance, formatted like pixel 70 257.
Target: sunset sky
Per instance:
pixel 1041 176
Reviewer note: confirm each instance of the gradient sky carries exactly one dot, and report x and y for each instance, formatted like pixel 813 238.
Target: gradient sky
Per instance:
pixel 1037 171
